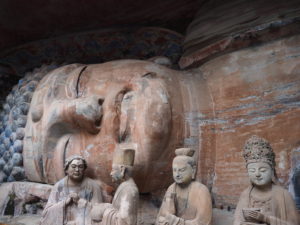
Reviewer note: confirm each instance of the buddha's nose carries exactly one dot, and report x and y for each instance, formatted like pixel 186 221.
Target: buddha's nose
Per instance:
pixel 88 113
pixel 82 113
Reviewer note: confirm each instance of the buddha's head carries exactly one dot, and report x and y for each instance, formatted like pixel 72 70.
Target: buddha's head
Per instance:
pixel 260 161
pixel 92 110
pixel 184 166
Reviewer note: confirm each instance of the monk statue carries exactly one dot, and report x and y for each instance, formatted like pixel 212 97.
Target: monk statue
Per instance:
pixel 69 198
pixel 263 202
pixel 187 201
pixel 124 207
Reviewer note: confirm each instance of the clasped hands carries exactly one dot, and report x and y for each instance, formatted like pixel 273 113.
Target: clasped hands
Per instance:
pixel 255 216
pixel 166 219
pixel 74 198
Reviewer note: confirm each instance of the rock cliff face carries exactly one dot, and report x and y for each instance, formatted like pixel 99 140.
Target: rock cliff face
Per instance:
pixel 252 91
pixel 240 76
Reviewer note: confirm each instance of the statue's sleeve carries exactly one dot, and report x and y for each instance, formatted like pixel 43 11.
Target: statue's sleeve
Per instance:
pixel 54 209
pixel 126 214
pixel 202 202
pixel 168 204
pixel 292 216
pixel 243 203
pixel 97 193
pixel 204 208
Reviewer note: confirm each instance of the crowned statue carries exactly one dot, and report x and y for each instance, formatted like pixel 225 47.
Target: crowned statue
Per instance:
pixel 263 202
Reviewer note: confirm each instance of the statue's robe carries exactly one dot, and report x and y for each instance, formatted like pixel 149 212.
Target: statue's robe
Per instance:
pixel 57 213
pixel 124 205
pixel 197 208
pixel 281 209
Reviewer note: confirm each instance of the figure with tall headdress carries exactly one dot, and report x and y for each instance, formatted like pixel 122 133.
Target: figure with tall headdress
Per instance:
pixel 186 202
pixel 124 207
pixel 71 198
pixel 263 202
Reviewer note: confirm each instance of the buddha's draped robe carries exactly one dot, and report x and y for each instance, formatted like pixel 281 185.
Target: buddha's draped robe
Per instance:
pixel 57 213
pixel 124 205
pixel 195 210
pixel 280 207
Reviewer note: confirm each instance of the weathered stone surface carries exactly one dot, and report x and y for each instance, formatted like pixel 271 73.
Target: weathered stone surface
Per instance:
pixel 224 26
pixel 90 110
pixel 253 91
pixel 21 193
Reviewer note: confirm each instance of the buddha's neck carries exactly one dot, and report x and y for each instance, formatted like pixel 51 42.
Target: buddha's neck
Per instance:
pixel 183 187
pixel 264 191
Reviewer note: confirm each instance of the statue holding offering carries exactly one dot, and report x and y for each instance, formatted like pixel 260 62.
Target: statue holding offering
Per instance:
pixel 124 207
pixel 186 202
pixel 70 198
pixel 263 202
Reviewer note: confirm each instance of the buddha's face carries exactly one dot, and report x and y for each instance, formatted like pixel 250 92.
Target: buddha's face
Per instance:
pixel 75 170
pixel 260 173
pixel 183 172
pixel 91 110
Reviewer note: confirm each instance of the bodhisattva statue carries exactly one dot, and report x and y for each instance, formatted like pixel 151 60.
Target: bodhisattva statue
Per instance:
pixel 69 198
pixel 124 207
pixel 263 202
pixel 186 201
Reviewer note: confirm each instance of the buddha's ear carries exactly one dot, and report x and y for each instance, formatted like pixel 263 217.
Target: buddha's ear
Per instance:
pixel 194 169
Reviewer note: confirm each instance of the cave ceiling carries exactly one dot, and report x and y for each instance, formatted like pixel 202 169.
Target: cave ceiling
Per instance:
pixel 26 21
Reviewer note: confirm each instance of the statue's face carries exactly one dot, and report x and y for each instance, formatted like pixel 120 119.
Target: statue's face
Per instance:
pixel 182 171
pixel 260 173
pixel 75 170
pixel 117 173
pixel 90 111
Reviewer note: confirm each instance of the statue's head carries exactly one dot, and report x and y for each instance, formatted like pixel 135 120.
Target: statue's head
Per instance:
pixel 184 166
pixel 122 164
pixel 91 110
pixel 75 167
pixel 260 161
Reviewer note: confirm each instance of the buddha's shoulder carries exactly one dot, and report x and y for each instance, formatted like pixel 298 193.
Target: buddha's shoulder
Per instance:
pixel 278 188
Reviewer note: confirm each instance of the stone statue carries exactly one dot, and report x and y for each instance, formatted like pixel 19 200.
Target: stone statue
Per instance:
pixel 124 207
pixel 263 202
pixel 186 201
pixel 69 198
pixel 91 110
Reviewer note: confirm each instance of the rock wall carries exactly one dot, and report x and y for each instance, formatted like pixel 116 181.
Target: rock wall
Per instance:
pixel 252 91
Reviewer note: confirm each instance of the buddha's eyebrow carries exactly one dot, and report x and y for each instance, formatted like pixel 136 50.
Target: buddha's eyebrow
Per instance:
pixel 78 81
pixel 149 75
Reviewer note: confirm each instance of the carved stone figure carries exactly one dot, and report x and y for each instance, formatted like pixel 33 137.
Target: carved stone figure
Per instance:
pixel 69 199
pixel 186 201
pixel 263 202
pixel 124 207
